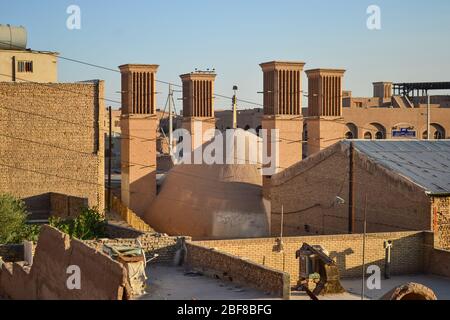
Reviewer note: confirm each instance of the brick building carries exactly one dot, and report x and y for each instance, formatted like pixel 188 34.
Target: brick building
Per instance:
pixel 406 184
pixel 51 141
pixel 19 64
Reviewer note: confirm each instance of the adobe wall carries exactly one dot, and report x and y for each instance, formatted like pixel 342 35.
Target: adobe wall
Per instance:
pixel 346 250
pixel 52 140
pixel 101 277
pixel 231 268
pixel 308 193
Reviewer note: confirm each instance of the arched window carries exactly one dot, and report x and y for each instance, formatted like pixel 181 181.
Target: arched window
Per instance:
pixel 425 135
pixel 438 135
pixel 379 131
pixel 368 136
pixel 438 132
pixel 379 135
pixel 352 132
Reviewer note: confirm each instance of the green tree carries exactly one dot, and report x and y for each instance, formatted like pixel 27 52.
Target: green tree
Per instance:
pixel 90 224
pixel 13 221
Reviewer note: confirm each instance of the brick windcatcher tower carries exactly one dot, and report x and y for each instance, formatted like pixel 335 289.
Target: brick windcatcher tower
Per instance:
pixel 324 108
pixel 138 124
pixel 198 105
pixel 283 111
pixel 283 108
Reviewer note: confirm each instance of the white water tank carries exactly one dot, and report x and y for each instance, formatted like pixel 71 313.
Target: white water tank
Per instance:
pixel 13 38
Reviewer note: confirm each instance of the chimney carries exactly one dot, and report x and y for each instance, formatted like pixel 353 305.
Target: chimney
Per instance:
pixel 138 143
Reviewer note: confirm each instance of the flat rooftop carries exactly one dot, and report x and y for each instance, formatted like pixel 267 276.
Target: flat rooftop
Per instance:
pixel 174 283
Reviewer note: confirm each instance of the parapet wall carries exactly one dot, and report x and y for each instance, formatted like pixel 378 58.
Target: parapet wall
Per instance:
pixel 235 269
pixel 101 277
pixel 152 243
pixel 346 250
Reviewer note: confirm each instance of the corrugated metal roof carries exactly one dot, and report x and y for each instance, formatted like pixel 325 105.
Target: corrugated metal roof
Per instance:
pixel 426 163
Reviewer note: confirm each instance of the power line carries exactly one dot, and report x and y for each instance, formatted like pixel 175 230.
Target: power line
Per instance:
pixel 173 84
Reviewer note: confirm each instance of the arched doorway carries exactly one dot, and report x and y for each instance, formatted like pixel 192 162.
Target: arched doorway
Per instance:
pixel 437 131
pixel 379 131
pixel 352 131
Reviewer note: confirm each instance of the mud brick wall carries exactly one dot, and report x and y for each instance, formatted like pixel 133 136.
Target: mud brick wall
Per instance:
pixel 235 269
pixel 52 141
pixel 346 250
pixel 101 277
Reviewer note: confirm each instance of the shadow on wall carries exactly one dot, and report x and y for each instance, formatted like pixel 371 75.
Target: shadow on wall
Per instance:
pixel 43 206
pixel 341 258
pixel 350 260
pixel 407 253
pixel 101 278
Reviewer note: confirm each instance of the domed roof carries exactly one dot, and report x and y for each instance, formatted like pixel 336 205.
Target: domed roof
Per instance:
pixel 217 201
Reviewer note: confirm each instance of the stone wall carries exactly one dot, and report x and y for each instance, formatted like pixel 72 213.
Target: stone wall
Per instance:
pixel 101 277
pixel 307 191
pixel 346 250
pixel 235 269
pixel 52 141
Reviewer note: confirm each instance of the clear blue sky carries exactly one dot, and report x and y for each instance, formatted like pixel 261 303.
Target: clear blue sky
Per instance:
pixel 235 36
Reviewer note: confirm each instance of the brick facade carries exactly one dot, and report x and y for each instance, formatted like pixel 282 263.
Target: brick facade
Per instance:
pixel 52 141
pixel 307 191
pixel 346 250
pixel 441 221
pixel 234 269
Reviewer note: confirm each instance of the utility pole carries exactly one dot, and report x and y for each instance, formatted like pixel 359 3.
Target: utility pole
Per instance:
pixel 235 88
pixel 109 158
pixel 280 245
pixel 428 117
pixel 170 120
pixel 351 190
pixel 363 284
